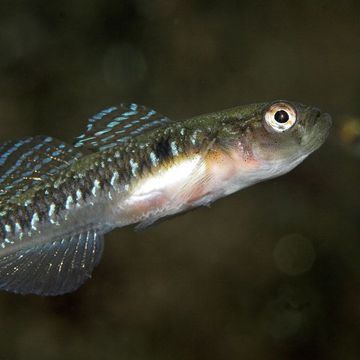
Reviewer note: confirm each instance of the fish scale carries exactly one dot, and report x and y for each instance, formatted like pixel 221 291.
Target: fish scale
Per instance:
pixel 132 165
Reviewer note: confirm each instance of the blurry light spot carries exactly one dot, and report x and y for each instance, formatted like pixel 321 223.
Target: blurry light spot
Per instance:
pixel 350 134
pixel 350 129
pixel 282 323
pixel 294 254
pixel 287 314
pixel 124 66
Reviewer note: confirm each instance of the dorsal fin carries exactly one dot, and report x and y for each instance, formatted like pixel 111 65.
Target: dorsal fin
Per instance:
pixel 27 161
pixel 117 124
pixel 52 268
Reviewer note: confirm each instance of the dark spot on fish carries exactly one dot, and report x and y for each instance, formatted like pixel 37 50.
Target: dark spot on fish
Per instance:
pixel 163 149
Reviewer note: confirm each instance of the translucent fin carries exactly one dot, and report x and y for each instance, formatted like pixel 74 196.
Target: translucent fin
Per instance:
pixel 51 268
pixel 117 124
pixel 27 161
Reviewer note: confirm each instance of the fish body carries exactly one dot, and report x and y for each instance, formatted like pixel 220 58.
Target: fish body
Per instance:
pixel 133 166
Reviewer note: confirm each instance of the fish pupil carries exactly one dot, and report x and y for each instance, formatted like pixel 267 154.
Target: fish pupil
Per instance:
pixel 281 116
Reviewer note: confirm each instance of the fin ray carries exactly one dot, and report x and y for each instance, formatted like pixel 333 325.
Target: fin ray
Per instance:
pixel 52 268
pixel 117 124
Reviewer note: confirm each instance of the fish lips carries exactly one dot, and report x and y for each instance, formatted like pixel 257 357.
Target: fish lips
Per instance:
pixel 320 130
pixel 323 124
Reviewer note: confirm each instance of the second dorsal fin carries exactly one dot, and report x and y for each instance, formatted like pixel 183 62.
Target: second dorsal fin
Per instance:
pixel 117 124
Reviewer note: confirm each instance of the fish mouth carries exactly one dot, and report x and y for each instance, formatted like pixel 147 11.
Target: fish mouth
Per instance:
pixel 324 121
pixel 320 130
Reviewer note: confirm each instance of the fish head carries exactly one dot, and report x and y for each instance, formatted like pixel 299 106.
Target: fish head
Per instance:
pixel 269 139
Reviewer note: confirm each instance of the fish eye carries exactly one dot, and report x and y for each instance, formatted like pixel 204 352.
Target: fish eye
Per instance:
pixel 280 117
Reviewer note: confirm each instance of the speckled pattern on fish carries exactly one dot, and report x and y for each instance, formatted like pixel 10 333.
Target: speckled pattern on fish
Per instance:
pixel 132 165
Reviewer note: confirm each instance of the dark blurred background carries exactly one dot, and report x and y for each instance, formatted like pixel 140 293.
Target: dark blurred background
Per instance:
pixel 272 272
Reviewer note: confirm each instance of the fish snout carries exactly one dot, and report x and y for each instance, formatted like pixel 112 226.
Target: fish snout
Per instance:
pixel 320 119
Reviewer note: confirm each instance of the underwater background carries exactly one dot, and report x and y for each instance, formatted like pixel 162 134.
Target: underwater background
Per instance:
pixel 272 272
